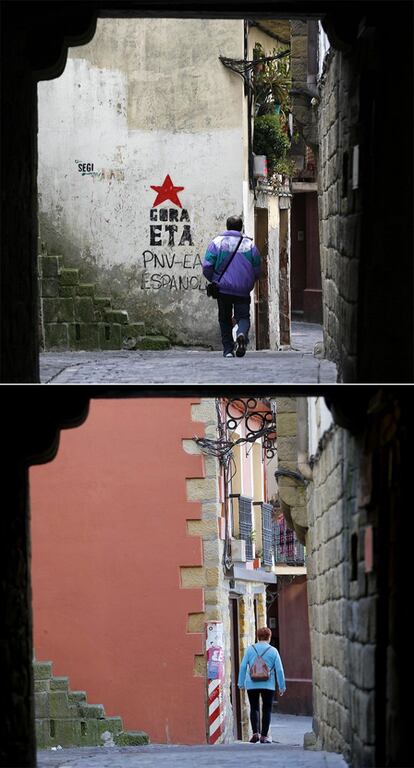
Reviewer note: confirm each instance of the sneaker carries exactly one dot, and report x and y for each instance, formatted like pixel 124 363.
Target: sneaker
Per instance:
pixel 255 738
pixel 228 354
pixel 241 345
pixel 265 740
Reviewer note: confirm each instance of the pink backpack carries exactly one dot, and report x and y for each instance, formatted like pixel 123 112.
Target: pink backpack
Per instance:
pixel 259 670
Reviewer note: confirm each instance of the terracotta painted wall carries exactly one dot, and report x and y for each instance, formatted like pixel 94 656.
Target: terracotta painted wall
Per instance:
pixel 108 538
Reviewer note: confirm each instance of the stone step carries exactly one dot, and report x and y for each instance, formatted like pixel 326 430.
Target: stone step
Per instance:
pixel 116 316
pixel 152 342
pixel 131 738
pixel 91 711
pixel 59 684
pixel 50 266
pixel 69 276
pixel 77 697
pixel 42 670
pixel 86 289
pixel 102 302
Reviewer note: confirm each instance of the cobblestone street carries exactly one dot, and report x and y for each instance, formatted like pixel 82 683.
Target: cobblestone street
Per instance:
pixel 286 751
pixel 178 366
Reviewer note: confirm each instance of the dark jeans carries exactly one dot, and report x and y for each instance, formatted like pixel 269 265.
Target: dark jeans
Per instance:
pixel 239 306
pixel 267 701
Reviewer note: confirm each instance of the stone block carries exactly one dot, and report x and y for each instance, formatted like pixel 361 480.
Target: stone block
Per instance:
pixel 207 529
pixel 42 670
pixel 59 705
pixel 116 316
pixel 134 330
pixel 286 405
pixel 200 666
pixel 286 424
pixel 41 704
pixel 196 622
pixel 67 733
pixel 111 724
pixel 58 310
pixel 59 684
pixel 201 489
pixel 193 577
pixel 56 336
pixel 77 697
pixel 91 711
pixel 299 47
pixel 109 336
pixel 212 577
pixel 152 342
pixel 131 738
pixel 42 733
pixel 211 596
pixel 50 266
pixel 67 291
pixel 84 310
pixel 49 287
pixel 69 276
pixel 41 685
pixel 83 336
pixel 86 289
pixel 101 304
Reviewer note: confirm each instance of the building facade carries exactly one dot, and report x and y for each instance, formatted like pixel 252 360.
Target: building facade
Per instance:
pixel 136 559
pixel 145 149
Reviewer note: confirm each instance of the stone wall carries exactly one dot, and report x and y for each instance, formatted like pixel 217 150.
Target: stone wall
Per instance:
pixel 342 597
pixel 216 586
pixel 339 210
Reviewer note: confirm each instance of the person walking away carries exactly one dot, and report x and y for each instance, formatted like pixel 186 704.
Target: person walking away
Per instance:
pixel 236 283
pixel 263 688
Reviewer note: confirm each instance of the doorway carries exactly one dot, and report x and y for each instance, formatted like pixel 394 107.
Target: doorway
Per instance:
pixel 235 666
pixel 261 225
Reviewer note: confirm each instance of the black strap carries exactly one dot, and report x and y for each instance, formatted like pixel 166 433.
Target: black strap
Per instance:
pixel 260 655
pixel 230 259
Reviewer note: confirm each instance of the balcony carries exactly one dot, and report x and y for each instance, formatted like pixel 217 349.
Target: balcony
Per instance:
pixel 287 549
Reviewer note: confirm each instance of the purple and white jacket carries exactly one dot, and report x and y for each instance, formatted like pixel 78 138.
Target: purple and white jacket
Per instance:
pixel 244 270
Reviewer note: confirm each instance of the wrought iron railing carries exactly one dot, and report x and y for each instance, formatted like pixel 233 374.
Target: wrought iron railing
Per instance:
pixel 245 524
pixel 287 548
pixel 267 510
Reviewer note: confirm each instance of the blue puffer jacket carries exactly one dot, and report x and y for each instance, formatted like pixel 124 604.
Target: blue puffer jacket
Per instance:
pixel 244 270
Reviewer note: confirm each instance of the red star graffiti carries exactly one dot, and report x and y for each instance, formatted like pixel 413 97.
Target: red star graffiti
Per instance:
pixel 167 192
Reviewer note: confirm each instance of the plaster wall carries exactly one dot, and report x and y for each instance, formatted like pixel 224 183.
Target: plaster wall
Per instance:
pixel 112 560
pixel 146 99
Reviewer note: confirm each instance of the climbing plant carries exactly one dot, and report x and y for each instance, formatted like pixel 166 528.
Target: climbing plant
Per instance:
pixel 272 83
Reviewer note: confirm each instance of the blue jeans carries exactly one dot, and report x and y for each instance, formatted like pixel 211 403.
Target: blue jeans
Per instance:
pixel 239 306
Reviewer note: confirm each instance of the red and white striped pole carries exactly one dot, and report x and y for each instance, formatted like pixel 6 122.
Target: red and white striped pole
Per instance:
pixel 215 676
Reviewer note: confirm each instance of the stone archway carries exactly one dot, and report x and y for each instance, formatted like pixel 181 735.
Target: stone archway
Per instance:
pixel 35 40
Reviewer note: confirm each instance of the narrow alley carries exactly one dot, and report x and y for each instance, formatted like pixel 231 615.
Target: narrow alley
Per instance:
pixel 285 752
pixel 180 366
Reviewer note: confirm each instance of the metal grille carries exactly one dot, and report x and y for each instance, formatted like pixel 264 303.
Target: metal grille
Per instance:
pixel 245 524
pixel 286 546
pixel 267 533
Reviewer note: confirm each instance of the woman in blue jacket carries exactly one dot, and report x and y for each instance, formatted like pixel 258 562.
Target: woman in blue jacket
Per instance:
pixel 263 688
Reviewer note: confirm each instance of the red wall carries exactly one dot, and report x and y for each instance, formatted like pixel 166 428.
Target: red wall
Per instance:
pixel 108 538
